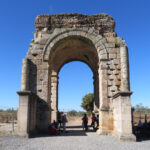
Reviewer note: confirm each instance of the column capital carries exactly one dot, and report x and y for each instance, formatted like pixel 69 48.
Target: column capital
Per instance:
pixel 122 93
pixel 24 92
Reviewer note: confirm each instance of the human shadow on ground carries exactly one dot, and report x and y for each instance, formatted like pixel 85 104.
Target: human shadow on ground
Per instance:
pixel 76 131
pixel 70 131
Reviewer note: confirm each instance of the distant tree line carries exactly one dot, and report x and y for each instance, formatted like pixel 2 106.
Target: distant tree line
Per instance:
pixel 7 115
pixel 141 108
pixel 9 110
pixel 73 113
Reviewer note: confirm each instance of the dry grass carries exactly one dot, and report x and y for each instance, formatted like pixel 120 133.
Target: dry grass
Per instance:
pixel 75 120
pixel 7 117
pixel 140 116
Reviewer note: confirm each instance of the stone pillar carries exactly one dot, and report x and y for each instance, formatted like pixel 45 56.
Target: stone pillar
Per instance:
pixel 54 97
pixel 122 117
pixel 124 69
pixel 23 113
pixel 25 75
pixel 104 103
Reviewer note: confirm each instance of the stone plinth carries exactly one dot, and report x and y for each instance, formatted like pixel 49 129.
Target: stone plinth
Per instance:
pixel 122 116
pixel 26 113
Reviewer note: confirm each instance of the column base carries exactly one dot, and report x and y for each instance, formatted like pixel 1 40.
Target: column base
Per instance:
pixel 119 136
pixel 22 134
pixel 125 137
pixel 103 132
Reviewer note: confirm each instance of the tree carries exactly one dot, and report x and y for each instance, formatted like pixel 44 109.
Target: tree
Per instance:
pixel 87 102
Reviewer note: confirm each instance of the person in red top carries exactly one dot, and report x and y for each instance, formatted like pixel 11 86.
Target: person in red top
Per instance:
pixel 53 128
pixel 93 120
pixel 85 122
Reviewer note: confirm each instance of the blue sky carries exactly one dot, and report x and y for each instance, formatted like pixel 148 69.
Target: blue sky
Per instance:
pixel 17 25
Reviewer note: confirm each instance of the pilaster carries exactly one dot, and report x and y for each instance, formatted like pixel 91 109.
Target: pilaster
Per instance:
pixel 25 75
pixel 54 97
pixel 124 69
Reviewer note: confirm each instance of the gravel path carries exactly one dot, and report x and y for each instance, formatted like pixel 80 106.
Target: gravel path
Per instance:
pixel 82 141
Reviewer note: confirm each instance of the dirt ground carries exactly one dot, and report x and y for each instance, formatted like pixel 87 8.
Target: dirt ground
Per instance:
pixel 7 128
pixel 75 139
pixel 75 120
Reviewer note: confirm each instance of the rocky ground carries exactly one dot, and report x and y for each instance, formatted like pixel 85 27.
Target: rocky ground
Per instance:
pixel 74 139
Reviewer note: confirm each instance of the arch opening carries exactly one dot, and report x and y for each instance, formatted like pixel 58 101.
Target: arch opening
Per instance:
pixel 72 48
pixel 75 80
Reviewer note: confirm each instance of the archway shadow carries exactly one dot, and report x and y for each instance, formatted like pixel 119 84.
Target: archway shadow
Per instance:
pixel 142 133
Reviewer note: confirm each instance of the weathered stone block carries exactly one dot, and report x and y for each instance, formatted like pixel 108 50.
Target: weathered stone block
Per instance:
pixel 104 56
pixel 109 72
pixel 113 88
pixel 112 67
pixel 117 82
pixel 101 47
pixel 115 61
pixel 110 83
pixel 112 77
pixel 115 72
pixel 110 45
pixel 112 56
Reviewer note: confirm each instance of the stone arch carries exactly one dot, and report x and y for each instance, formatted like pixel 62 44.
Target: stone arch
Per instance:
pixel 97 40
pixel 108 56
pixel 88 54
pixel 69 61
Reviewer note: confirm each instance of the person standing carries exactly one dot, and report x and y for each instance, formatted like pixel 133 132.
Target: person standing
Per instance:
pixel 64 121
pixel 85 122
pixel 93 120
pixel 59 116
pixel 97 120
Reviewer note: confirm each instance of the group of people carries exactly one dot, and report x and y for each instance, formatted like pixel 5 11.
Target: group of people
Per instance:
pixel 94 122
pixel 56 127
